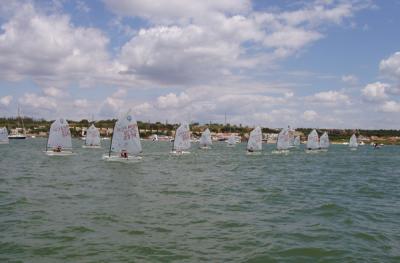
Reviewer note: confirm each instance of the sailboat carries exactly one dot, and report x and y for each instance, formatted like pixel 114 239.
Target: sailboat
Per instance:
pixel 181 140
pixel 296 141
pixel 312 142
pixel 324 142
pixel 17 134
pixel 59 142
pixel 231 142
pixel 283 142
pixel 205 139
pixel 125 143
pixel 254 145
pixel 353 144
pixel 92 139
pixel 3 135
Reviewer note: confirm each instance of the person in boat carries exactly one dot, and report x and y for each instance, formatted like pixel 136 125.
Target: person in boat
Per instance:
pixel 250 150
pixel 57 149
pixel 124 154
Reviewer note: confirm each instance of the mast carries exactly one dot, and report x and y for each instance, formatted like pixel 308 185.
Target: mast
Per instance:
pixel 109 151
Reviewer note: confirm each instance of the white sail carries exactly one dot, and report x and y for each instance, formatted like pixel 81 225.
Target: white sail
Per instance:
pixel 92 136
pixel 126 136
pixel 296 141
pixel 205 139
pixel 283 142
pixel 60 135
pixel 182 138
pixel 312 140
pixel 324 141
pixel 255 140
pixel 3 135
pixel 353 141
pixel 231 139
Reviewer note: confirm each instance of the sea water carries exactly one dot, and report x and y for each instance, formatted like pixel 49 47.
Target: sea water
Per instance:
pixel 217 205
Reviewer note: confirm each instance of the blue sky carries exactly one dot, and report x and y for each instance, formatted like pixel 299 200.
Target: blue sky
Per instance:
pixel 322 63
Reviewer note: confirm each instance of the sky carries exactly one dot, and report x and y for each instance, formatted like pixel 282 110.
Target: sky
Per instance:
pixel 321 64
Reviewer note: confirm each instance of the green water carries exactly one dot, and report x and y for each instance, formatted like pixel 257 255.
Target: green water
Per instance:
pixel 211 206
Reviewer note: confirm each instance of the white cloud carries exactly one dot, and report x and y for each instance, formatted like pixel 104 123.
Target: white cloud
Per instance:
pixel 350 79
pixel 38 102
pixel 309 115
pixel 391 66
pixel 375 91
pixel 330 97
pixel 6 100
pixel 81 103
pixel 390 106
pixel 54 92
pixel 171 100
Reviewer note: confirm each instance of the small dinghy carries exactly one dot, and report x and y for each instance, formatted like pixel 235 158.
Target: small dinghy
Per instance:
pixel 312 142
pixel 324 142
pixel 92 140
pixel 182 140
pixel 254 145
pixel 205 140
pixel 59 142
pixel 125 143
pixel 283 143
pixel 4 136
pixel 353 144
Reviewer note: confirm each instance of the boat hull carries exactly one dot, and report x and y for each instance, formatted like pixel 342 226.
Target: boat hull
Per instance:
pixel 205 147
pixel 253 153
pixel 62 153
pixel 179 153
pixel 129 159
pixel 91 147
pixel 281 152
pixel 313 151
pixel 16 137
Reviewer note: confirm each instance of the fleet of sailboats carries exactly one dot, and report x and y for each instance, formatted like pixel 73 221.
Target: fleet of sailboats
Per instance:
pixel 125 144
pixel 254 145
pixel 59 141
pixel 3 135
pixel 205 139
pixel 181 143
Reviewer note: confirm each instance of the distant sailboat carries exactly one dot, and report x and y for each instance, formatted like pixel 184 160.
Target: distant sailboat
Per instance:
pixel 324 142
pixel 59 142
pixel 283 142
pixel 353 144
pixel 125 142
pixel 205 139
pixel 92 138
pixel 3 135
pixel 296 141
pixel 182 140
pixel 254 145
pixel 231 142
pixel 313 142
pixel 18 135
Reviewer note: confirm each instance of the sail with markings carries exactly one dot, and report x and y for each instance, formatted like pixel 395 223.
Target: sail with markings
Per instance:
pixel 324 141
pixel 126 137
pixel 313 140
pixel 205 139
pixel 92 136
pixel 60 135
pixel 255 140
pixel 3 135
pixel 182 138
pixel 283 142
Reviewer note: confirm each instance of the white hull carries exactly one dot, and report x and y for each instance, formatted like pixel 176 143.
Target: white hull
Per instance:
pixel 230 145
pixel 313 151
pixel 179 153
pixel 62 153
pixel 281 152
pixel 323 150
pixel 129 159
pixel 91 146
pixel 253 153
pixel 353 148
pixel 205 147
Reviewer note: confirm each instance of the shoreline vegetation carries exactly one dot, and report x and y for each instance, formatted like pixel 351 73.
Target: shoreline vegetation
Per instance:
pixel 40 128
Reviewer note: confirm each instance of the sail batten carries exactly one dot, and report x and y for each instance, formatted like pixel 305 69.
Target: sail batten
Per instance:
pixel 313 140
pixel 126 136
pixel 255 140
pixel 182 138
pixel 60 135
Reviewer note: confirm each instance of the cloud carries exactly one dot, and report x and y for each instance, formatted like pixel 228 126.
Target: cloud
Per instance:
pixel 390 106
pixel 350 79
pixel 54 92
pixel 330 97
pixel 375 91
pixel 171 100
pixel 309 115
pixel 38 102
pixel 391 66
pixel 6 100
pixel 81 103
